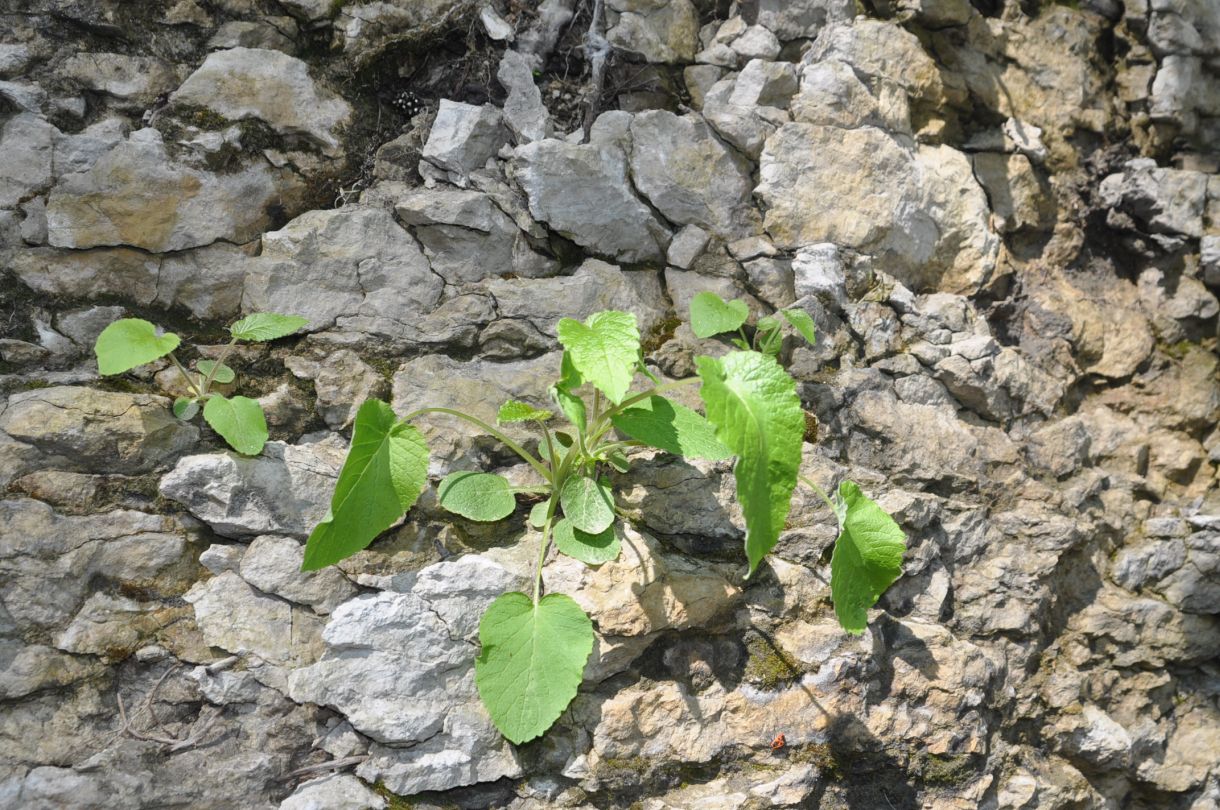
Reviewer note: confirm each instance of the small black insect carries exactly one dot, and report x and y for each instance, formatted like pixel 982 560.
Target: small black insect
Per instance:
pixel 408 104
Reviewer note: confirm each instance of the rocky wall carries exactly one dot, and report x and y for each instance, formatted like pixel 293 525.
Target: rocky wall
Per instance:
pixel 1003 215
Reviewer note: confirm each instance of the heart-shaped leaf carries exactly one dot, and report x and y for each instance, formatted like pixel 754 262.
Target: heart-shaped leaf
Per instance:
pixel 587 504
pixel 604 349
pixel 514 411
pixel 185 408
pixel 477 495
pixel 240 421
pixel 131 342
pixel 591 549
pixel 712 315
pixel 802 322
pixel 532 661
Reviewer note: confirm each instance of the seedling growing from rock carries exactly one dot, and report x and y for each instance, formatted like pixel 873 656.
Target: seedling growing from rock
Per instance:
pixel 535 646
pixel 132 342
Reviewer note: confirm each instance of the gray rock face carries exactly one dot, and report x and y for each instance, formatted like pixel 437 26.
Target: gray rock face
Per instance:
pixel 464 136
pixel 137 195
pixel 524 111
pixel 688 175
pixel 342 382
pixel 27 140
pixel 286 490
pixel 1161 200
pixel 400 666
pixel 795 19
pixel 271 86
pixel 96 430
pixel 583 193
pixel 658 32
pixel 334 792
pixel 324 264
pixel 129 78
pixel 272 564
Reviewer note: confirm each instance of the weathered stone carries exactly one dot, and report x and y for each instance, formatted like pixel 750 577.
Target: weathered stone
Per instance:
pixel 400 667
pixel 756 42
pixel 273 565
pixel 921 213
pixel 342 382
pixel 351 268
pixel 831 94
pixel 108 432
pixel 240 620
pixel 274 32
pixel 524 111
pixel 802 19
pixel 688 175
pixel 1018 198
pixel 286 490
pixel 135 79
pixel 583 192
pixel 27 141
pixel 137 195
pixel 334 792
pixel 1162 200
pixel 658 32
pixel 764 84
pixel 270 86
pixel 464 136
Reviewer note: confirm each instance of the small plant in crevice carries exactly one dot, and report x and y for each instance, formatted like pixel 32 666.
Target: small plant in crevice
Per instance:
pixel 131 342
pixel 534 646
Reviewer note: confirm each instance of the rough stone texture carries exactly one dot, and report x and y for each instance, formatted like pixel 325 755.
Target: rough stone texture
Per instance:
pixel 1003 218
pixel 271 86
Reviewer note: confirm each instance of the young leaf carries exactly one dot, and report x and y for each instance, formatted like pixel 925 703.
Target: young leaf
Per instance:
pixel 604 349
pixel 572 406
pixel 587 504
pixel 383 474
pixel 224 374
pixel 712 315
pixel 514 411
pixel 240 421
pixel 538 512
pixel 590 549
pixel 867 557
pixel 185 408
pixel 769 342
pixel 477 495
pixel 569 377
pixel 131 342
pixel 266 326
pixel 802 321
pixel 664 424
pixel 618 461
pixel 753 403
pixel 532 661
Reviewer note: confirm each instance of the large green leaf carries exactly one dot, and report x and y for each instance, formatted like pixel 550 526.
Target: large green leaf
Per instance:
pixel 477 495
pixel 675 428
pixel 532 661
pixel 385 470
pixel 867 557
pixel 591 549
pixel 131 342
pixel 604 349
pixel 587 503
pixel 515 411
pixel 712 315
pixel 239 420
pixel 266 326
pixel 752 402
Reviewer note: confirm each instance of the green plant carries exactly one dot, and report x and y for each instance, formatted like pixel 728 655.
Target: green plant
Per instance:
pixel 132 342
pixel 535 646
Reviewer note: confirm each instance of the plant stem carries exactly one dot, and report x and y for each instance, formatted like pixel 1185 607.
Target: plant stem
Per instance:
pixel 604 425
pixel 185 376
pixel 825 498
pixel 207 383
pixel 550 447
pixel 525 455
pixel 542 547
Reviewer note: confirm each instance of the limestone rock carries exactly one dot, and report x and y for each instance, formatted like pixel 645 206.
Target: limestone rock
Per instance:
pixel 688 175
pixel 400 667
pixel 802 19
pixel 135 79
pixel 1162 200
pixel 273 87
pixel 127 433
pixel 137 195
pixel 524 112
pixel 342 382
pixel 286 490
pixel 657 31
pixel 334 792
pixel 464 136
pixel 240 620
pixel 583 192
pixel 273 565
pixel 352 268
pixel 921 213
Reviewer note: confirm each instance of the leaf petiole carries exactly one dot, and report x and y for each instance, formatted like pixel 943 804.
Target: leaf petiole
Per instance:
pixel 825 498
pixel 525 455
pixel 182 371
